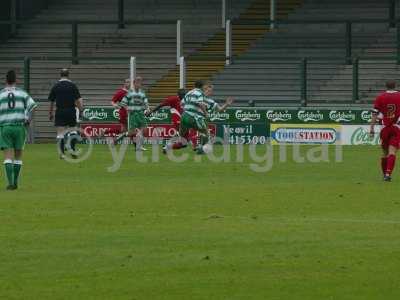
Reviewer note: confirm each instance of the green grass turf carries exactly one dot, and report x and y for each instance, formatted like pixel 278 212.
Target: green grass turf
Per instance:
pixel 200 230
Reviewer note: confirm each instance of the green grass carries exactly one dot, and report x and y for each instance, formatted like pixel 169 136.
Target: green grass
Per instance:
pixel 200 230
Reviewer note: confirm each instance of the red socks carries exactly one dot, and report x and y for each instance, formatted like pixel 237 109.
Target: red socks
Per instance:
pixel 383 164
pixel 390 162
pixel 193 137
pixel 194 141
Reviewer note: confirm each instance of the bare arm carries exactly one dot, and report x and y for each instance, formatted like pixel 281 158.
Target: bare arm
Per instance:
pixel 155 109
pixel 203 108
pixel 52 99
pixel 165 102
pixel 227 103
pixel 79 104
pixel 51 111
pixel 374 120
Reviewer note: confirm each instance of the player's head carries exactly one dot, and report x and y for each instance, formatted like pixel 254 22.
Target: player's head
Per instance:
pixel 138 82
pixel 64 73
pixel 127 83
pixel 209 89
pixel 181 93
pixel 199 84
pixel 202 84
pixel 391 84
pixel 11 77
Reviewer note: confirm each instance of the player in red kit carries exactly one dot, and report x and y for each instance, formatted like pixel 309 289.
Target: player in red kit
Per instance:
pixel 174 103
pixel 123 113
pixel 387 106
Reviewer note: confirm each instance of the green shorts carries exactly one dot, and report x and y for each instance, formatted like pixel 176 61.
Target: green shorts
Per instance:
pixel 12 137
pixel 190 122
pixel 136 119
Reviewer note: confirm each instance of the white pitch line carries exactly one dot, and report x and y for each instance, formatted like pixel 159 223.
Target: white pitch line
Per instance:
pixel 274 220
pixel 254 217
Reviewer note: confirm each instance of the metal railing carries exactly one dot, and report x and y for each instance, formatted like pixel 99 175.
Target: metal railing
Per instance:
pixel 75 24
pixel 348 32
pixel 305 73
pixel 229 24
pixel 348 56
pixel 304 82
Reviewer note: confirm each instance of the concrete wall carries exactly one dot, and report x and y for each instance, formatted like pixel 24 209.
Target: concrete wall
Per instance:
pixel 26 9
pixel 4 15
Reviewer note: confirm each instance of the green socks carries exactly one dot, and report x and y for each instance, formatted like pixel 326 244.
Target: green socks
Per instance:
pixel 13 169
pixel 17 171
pixel 203 139
pixel 9 167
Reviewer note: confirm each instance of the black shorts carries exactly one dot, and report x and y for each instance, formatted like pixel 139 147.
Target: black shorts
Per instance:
pixel 65 118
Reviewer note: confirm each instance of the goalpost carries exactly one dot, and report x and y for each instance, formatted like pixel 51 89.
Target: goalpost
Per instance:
pixel 132 70
pixel 182 73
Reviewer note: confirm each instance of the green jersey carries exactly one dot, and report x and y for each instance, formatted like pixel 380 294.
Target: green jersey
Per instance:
pixel 211 105
pixel 135 101
pixel 15 106
pixel 193 103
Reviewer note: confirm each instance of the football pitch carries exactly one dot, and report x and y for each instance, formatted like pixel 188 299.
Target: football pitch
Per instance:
pixel 200 230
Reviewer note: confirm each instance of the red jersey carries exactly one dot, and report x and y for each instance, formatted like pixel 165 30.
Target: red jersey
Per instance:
pixel 118 96
pixel 388 104
pixel 174 102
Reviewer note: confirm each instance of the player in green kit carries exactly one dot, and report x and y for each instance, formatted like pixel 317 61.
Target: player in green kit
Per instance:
pixel 211 105
pixel 16 107
pixel 137 105
pixel 194 115
pixel 196 107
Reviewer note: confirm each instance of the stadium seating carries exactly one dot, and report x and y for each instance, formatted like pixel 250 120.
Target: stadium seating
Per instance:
pixel 97 75
pixel 265 66
pixel 210 58
pixel 376 66
pixel 269 72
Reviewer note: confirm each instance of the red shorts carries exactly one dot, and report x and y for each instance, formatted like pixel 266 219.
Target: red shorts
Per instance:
pixel 191 135
pixel 390 136
pixel 123 121
pixel 176 121
pixel 123 117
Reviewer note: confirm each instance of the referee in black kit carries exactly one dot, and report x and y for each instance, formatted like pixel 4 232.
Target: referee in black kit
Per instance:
pixel 65 94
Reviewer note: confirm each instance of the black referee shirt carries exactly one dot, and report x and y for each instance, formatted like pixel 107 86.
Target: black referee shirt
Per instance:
pixel 64 93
